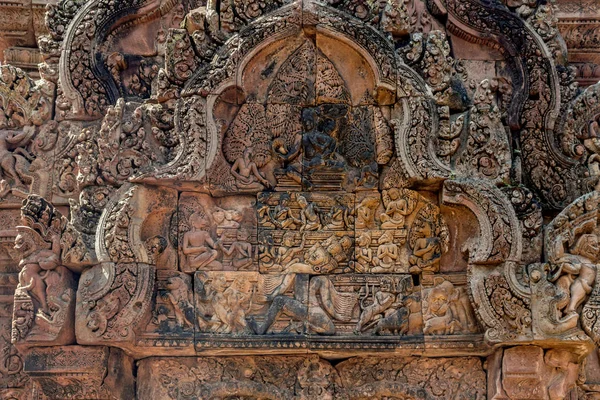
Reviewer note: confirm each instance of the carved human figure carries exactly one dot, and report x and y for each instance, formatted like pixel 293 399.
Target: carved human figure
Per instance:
pixel 263 215
pixel 30 276
pixel 396 210
pixel 286 254
pixel 14 164
pixel 215 294
pixel 309 215
pixel 246 173
pixel 198 246
pixel 282 216
pixel 279 304
pixel 577 271
pixel 365 213
pixel 462 311
pixel 319 147
pixel 387 253
pixel 227 303
pixel 241 251
pixel 439 318
pixel 364 256
pixel 266 250
pixel 236 300
pixel 289 156
pixel 178 297
pixel 415 317
pixel 339 216
pixel 44 294
pixel 426 252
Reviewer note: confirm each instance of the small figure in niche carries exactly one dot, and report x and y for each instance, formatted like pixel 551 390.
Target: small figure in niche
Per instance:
pixel 426 252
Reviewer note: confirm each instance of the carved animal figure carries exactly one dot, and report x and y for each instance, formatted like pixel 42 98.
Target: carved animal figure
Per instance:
pixel 395 322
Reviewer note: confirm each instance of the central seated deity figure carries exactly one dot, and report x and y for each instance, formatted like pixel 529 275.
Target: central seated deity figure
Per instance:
pixel 318 145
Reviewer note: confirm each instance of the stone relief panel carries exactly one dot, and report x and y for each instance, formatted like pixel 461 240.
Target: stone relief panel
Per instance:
pixel 254 377
pixel 322 135
pixel 310 233
pixel 364 305
pixel 250 303
pixel 298 176
pixel 308 377
pixel 61 372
